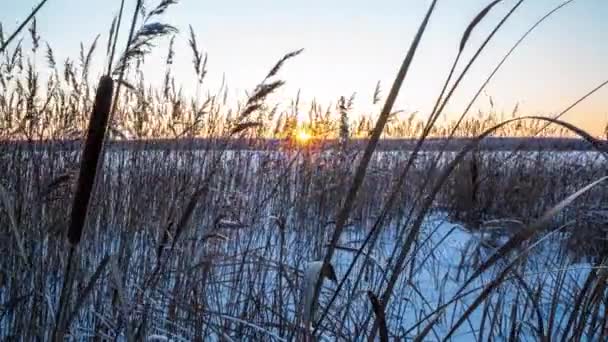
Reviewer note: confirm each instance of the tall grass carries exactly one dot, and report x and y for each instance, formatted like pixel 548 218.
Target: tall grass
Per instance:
pixel 135 213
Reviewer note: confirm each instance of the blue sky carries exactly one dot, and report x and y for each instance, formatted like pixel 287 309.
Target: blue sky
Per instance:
pixel 351 45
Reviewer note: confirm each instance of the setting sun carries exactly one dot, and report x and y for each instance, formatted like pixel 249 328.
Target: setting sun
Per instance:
pixel 302 136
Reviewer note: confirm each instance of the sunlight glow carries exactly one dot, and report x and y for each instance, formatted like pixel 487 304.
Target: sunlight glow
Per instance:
pixel 302 136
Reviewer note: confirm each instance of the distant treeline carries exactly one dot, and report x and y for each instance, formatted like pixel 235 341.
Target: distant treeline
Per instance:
pixel 432 144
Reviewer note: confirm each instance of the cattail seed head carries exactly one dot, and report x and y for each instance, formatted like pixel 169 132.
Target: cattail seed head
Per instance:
pixel 90 158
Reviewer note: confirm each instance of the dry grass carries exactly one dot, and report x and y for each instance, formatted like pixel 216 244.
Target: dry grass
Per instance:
pixel 200 239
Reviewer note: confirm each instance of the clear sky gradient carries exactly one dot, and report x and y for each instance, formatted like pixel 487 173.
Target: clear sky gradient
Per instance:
pixel 352 44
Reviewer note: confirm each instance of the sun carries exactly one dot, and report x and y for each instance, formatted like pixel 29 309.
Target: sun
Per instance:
pixel 302 136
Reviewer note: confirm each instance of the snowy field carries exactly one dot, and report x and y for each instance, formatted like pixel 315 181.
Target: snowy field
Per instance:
pixel 239 267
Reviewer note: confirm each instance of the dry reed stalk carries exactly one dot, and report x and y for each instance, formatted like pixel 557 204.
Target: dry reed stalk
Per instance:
pixel 22 26
pixel 8 202
pixel 437 110
pixel 416 225
pixel 463 42
pixel 88 289
pixel 301 197
pixel 113 36
pixel 501 63
pixel 380 316
pixel 517 240
pixel 361 170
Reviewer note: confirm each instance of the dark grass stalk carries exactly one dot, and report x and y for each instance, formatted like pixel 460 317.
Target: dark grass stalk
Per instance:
pixel 534 298
pixel 601 147
pixel 503 251
pixel 114 105
pixel 396 189
pixel 514 330
pixel 432 119
pixel 7 202
pixel 498 66
pixel 347 205
pixel 379 312
pixel 87 290
pixel 603 334
pixel 463 42
pixel 487 81
pixel 482 322
pixel 555 296
pixel 123 66
pixel 59 330
pixel 481 298
pixel 435 115
pixel 22 26
pixel 496 314
pixel 598 145
pixel 417 223
pixel 436 315
pixel 114 37
pixel 577 305
pixel 596 301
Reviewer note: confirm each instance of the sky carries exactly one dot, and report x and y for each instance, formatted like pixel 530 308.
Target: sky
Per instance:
pixel 350 45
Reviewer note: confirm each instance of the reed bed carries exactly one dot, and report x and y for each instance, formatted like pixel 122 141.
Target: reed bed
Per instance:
pixel 197 238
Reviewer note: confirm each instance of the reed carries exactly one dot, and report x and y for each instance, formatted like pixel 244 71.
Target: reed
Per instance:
pixel 205 218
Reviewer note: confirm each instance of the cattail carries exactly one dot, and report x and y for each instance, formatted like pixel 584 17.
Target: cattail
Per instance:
pixel 90 157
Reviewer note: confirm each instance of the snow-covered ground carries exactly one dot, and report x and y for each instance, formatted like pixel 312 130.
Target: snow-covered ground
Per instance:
pixel 236 272
pixel 445 257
